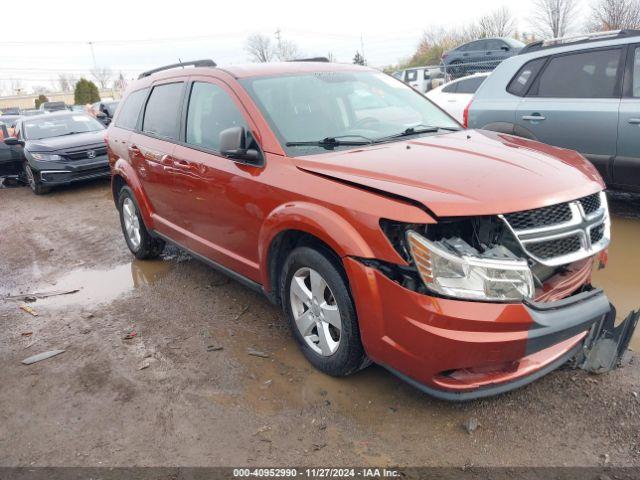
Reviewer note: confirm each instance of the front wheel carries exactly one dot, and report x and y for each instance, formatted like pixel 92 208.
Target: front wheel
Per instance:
pixel 138 238
pixel 33 180
pixel 316 299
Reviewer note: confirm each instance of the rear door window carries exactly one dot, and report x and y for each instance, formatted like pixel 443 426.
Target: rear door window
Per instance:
pixel 592 74
pixel 161 117
pixel 522 80
pixel 470 85
pixel 128 116
pixel 211 110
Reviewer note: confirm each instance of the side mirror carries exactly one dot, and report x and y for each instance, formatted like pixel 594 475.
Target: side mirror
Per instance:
pixel 233 145
pixel 13 141
pixel 505 48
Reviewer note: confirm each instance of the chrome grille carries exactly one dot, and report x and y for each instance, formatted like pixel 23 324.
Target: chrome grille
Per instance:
pixel 553 248
pixel 81 154
pixel 539 217
pixel 591 203
pixel 563 233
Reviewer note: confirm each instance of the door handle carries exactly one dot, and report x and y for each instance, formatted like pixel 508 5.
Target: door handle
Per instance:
pixel 634 121
pixel 183 165
pixel 533 118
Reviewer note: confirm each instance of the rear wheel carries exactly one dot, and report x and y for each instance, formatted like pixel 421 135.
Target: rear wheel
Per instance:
pixel 33 180
pixel 138 238
pixel 316 299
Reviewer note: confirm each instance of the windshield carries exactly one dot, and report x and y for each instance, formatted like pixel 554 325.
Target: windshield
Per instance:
pixel 316 106
pixel 58 125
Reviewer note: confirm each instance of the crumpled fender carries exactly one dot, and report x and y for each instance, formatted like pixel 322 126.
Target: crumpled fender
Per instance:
pixel 124 170
pixel 316 220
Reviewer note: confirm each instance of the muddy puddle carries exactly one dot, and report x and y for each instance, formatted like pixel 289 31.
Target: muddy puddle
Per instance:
pixel 621 278
pixel 100 286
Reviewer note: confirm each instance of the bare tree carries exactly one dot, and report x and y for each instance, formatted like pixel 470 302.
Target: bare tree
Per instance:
pixel 259 48
pixel 40 89
pixel 498 23
pixel 553 18
pixel 614 15
pixel 286 50
pixel 102 75
pixel 66 83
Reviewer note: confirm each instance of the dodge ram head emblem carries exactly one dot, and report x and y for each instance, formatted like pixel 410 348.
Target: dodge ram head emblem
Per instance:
pixel 91 154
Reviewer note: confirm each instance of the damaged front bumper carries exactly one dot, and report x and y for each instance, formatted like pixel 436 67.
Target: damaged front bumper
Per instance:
pixel 462 350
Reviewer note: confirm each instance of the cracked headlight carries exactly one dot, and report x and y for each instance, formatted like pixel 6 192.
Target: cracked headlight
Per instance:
pixel 469 276
pixel 46 157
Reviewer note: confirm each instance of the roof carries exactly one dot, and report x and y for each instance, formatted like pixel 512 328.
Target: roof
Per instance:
pixel 288 68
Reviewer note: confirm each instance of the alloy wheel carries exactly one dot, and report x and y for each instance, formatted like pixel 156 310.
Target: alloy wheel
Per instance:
pixel 131 223
pixel 315 311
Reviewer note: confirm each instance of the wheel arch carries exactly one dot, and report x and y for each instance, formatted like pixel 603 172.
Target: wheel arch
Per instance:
pixel 292 225
pixel 124 175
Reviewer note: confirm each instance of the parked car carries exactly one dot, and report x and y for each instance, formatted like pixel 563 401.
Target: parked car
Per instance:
pixel 581 93
pixel 480 55
pixel 442 254
pixel 11 111
pixel 52 107
pixel 60 148
pixel 453 97
pixel 30 112
pixel 422 79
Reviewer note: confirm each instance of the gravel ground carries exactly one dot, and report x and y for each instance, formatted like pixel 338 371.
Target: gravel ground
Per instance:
pixel 185 391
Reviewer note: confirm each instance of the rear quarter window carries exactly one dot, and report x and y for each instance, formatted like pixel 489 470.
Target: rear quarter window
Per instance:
pixel 522 80
pixel 130 111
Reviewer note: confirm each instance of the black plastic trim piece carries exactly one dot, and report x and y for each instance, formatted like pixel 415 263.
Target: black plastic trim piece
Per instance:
pixel 247 282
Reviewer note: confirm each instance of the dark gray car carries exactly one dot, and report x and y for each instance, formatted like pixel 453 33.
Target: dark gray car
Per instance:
pixel 60 148
pixel 581 93
pixel 479 56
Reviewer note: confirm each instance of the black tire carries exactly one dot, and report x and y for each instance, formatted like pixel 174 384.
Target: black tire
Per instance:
pixel 350 355
pixel 33 180
pixel 149 247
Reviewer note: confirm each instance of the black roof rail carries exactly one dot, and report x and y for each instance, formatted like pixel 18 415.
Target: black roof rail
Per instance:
pixel 311 59
pixel 578 39
pixel 195 63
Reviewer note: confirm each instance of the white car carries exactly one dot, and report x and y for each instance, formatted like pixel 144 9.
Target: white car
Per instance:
pixel 453 97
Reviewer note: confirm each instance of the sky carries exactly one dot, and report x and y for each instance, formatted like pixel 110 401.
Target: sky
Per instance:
pixel 128 36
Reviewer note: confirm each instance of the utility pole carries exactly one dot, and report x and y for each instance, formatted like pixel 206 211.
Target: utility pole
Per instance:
pixel 93 55
pixel 278 32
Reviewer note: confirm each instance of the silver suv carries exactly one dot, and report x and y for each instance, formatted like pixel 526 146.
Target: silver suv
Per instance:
pixel 581 93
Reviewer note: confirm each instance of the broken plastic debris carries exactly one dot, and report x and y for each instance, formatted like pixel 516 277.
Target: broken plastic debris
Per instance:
pixel 130 335
pixel 606 345
pixel 41 356
pixel 29 310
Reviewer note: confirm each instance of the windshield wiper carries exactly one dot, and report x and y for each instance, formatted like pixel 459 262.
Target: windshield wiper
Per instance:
pixel 329 142
pixel 68 133
pixel 415 130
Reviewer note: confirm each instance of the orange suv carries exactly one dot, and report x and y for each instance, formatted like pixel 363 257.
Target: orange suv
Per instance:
pixel 458 259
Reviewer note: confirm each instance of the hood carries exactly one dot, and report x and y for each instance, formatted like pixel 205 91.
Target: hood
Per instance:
pixel 68 142
pixel 472 172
